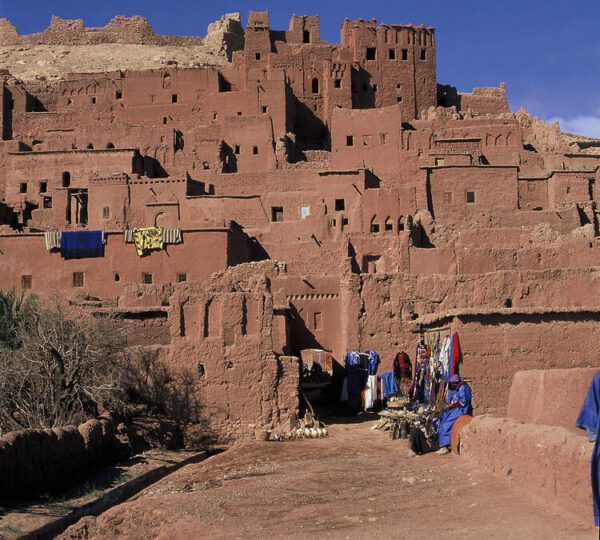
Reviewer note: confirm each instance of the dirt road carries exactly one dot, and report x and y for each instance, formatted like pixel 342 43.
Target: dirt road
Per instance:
pixel 355 484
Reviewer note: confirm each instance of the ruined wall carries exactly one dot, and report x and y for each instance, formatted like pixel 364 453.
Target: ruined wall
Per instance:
pixel 226 331
pixel 34 461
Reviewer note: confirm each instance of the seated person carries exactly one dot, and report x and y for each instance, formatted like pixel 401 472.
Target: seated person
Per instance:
pixel 458 403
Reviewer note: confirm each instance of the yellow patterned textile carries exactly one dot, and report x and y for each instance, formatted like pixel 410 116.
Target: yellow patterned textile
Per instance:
pixel 148 239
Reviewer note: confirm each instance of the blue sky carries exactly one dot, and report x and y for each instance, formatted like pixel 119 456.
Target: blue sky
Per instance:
pixel 547 52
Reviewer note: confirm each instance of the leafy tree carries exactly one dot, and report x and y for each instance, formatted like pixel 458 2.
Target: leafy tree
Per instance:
pixel 16 311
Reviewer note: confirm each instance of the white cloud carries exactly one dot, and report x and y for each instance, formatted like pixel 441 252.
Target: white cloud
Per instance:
pixel 588 126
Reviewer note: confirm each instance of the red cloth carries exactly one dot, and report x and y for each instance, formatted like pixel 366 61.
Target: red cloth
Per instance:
pixel 455 355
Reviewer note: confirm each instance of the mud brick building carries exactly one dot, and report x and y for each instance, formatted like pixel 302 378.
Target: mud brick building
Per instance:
pixel 328 195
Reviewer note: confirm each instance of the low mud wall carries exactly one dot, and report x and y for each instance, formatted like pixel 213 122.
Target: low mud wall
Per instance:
pixel 551 462
pixel 34 461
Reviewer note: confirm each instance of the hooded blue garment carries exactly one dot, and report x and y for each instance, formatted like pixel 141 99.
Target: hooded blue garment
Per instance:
pixel 373 362
pixel 588 419
pixel 390 387
pixel 81 244
pixel 461 395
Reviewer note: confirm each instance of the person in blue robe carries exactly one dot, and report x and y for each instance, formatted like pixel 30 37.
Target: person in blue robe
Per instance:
pixel 458 403
pixel 588 419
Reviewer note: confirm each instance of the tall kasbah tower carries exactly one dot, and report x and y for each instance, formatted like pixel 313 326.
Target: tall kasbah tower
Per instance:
pixel 394 64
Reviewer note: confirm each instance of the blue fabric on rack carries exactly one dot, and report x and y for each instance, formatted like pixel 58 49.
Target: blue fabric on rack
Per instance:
pixel 373 362
pixel 354 376
pixel 81 244
pixel 390 387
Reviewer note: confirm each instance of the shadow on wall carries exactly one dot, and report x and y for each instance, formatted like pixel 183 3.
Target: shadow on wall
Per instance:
pixel 302 336
pixel 229 158
pixel 363 93
pixel 153 168
pixel 309 128
pixel 257 251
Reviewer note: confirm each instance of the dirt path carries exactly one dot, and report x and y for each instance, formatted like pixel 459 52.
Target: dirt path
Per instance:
pixel 355 484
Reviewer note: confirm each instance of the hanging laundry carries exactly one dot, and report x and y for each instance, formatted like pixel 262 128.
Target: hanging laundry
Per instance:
pixel 129 236
pixel 373 362
pixel 389 384
pixel 445 356
pixel 82 244
pixel 148 239
pixel 171 235
pixel 52 239
pixel 403 373
pixel 455 354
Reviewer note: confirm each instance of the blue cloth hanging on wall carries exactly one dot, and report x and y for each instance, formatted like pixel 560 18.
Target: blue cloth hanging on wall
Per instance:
pixel 81 244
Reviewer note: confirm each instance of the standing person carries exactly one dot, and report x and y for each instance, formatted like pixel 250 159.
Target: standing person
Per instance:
pixel 588 419
pixel 458 403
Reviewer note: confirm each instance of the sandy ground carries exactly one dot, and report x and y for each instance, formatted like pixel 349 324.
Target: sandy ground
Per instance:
pixel 355 484
pixel 50 62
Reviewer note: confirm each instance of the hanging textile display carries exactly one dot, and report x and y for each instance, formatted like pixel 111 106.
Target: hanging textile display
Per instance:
pixel 52 239
pixel 82 244
pixel 455 355
pixel 403 373
pixel 171 235
pixel 148 239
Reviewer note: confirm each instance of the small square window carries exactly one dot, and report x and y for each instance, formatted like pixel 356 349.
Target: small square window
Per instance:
pixel 257 55
pixel 106 212
pixel 93 99
pixel 69 101
pixel 47 202
pixel 470 197
pixel 389 226
pixel 333 222
pixel 447 197
pixel 337 83
pixel 392 54
pixel 215 116
pixel 255 150
pixel 383 138
pixel 349 140
pixel 173 98
pixel 374 227
pixel 77 279
pixel 147 278
pixel 340 205
pixel 117 276
pixel 277 213
pixel 239 113
pixel 371 53
pixel 423 54
pixel 399 99
pixel 345 221
pixel 26 281
pixel 23 187
pixel 264 109
pixel 164 120
pixel 43 187
pixel 118 94
pixel 439 161
pixel 181 278
pixel 404 54
pixel 236 149
pixel 398 86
